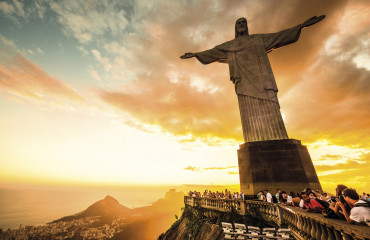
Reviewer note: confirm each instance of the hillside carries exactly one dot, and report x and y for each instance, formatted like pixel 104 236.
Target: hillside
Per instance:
pixel 108 209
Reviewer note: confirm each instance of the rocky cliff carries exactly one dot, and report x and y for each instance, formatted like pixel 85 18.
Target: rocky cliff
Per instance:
pixel 201 224
pixel 183 230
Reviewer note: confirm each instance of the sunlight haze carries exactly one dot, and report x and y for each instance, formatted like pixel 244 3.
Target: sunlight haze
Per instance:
pixel 97 94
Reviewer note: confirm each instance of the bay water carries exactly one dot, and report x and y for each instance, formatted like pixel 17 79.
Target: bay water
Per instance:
pixel 35 205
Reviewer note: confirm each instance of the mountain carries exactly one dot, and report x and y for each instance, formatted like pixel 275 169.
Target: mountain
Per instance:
pixel 170 204
pixel 108 209
pixel 147 223
pixel 144 223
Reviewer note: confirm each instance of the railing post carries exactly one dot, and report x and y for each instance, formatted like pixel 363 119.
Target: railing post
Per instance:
pixel 279 215
pixel 338 234
pixel 306 227
pixel 242 207
pixel 347 236
pixel 324 232
pixel 330 233
pixel 313 229
pixel 299 223
pixel 318 231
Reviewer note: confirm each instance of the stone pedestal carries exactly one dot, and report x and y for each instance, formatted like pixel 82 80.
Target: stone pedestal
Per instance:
pixel 284 164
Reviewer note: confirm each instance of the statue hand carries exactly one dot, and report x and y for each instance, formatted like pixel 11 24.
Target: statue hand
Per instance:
pixel 187 55
pixel 312 21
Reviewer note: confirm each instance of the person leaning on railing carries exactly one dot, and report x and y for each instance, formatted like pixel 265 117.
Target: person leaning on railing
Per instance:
pixel 360 209
pixel 310 205
pixel 287 199
pixel 322 196
pixel 335 207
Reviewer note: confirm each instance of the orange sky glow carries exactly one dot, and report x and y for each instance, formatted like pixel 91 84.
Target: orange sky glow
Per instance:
pixel 92 97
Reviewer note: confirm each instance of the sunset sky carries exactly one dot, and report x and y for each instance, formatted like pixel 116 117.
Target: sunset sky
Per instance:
pixel 94 92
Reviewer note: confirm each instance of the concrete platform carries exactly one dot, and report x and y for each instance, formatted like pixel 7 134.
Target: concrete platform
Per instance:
pixel 284 164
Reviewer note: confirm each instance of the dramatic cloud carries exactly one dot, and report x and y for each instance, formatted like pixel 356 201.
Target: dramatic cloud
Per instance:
pixel 134 49
pixel 22 78
pixel 198 169
pixel 13 8
pixel 352 174
pixel 7 8
pixel 88 20
pixel 191 168
pixel 137 46
pixel 185 98
pixel 336 164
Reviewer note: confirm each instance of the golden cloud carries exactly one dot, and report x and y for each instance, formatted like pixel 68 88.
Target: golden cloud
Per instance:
pixel 185 98
pixel 198 169
pixel 22 78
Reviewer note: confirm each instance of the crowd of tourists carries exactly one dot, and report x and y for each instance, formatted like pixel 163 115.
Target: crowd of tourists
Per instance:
pixel 346 204
pixel 218 195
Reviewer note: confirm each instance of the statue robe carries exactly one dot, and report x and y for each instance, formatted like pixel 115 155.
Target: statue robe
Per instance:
pixel 254 81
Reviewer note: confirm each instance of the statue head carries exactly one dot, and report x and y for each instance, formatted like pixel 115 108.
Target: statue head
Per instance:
pixel 241 27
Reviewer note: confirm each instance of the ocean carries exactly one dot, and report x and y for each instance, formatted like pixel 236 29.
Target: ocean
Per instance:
pixel 34 205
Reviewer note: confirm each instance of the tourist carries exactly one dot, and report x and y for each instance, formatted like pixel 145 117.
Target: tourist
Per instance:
pixel 226 194
pixel 363 196
pixel 295 199
pixel 235 195
pixel 263 197
pixel 368 197
pixel 287 199
pixel 311 195
pixel 360 210
pixel 338 194
pixel 322 196
pixel 311 205
pixel 205 194
pixel 242 196
pixel 268 196
pixel 278 195
pixel 259 195
pixel 329 213
pixel 301 202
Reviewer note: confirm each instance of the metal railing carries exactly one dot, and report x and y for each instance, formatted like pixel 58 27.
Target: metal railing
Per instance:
pixel 302 224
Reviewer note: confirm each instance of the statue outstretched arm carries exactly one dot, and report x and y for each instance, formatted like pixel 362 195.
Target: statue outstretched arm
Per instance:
pixel 312 21
pixel 273 41
pixel 208 56
pixel 188 55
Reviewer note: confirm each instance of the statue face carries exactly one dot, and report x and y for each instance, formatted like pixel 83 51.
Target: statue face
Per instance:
pixel 241 26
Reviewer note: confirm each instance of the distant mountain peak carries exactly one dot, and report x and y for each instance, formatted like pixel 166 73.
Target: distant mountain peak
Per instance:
pixel 108 208
pixel 110 198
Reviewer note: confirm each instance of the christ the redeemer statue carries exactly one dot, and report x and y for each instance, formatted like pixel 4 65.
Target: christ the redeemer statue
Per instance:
pixel 252 75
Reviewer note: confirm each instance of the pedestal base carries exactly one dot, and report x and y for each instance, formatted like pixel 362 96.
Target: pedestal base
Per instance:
pixel 284 164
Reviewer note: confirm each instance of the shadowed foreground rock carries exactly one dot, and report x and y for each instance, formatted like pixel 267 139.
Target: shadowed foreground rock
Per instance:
pixel 182 232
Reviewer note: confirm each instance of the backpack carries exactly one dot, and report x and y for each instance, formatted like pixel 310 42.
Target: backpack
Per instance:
pixel 274 199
